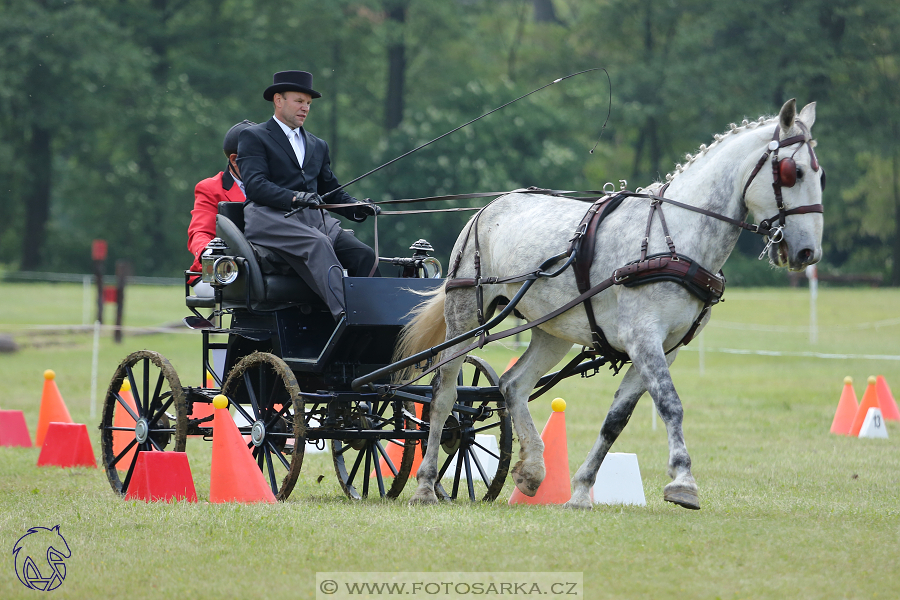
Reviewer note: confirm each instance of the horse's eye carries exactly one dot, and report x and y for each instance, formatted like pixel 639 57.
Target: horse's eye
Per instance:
pixel 799 173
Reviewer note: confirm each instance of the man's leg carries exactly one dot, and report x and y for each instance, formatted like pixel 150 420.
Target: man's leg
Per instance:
pixel 355 256
pixel 307 250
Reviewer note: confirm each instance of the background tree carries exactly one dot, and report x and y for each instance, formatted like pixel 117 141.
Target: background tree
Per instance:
pixel 111 110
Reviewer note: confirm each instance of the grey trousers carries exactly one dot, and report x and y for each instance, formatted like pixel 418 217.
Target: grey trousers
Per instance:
pixel 313 243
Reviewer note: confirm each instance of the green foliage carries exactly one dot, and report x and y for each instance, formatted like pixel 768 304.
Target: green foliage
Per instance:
pixel 136 95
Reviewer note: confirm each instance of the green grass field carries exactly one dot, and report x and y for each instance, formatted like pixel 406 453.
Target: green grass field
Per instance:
pixel 788 510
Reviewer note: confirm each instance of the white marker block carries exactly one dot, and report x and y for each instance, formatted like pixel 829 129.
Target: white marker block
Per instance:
pixel 485 457
pixel 619 481
pixel 311 447
pixel 873 425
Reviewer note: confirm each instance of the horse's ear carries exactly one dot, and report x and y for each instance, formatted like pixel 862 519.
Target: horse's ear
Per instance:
pixel 808 115
pixel 787 115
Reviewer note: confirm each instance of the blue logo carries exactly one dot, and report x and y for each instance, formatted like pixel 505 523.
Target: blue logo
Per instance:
pixel 40 558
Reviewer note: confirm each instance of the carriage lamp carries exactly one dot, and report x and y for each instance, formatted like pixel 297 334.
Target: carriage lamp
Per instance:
pixel 216 268
pixel 428 266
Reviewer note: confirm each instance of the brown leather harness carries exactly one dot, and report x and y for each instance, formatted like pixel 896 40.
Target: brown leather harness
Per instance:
pixel 671 266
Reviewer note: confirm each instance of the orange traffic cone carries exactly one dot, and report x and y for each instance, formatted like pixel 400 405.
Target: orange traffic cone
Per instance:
pixel 511 362
pixel 886 401
pixel 846 410
pixel 53 409
pixel 121 439
pixel 556 487
pixel 234 475
pixel 395 453
pixel 869 400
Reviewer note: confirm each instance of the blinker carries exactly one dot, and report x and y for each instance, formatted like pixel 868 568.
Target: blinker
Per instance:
pixel 787 172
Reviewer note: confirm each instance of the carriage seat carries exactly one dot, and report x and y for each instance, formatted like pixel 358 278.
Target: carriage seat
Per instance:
pixel 272 284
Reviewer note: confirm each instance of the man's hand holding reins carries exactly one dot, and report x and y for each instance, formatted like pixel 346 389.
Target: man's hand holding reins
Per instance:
pixel 305 200
pixel 364 209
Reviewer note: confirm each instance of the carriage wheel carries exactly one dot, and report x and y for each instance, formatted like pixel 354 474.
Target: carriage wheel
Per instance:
pixel 144 411
pixel 363 464
pixel 263 389
pixel 468 461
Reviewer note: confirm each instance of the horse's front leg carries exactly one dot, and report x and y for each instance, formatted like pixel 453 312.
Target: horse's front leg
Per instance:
pixel 650 359
pixel 442 401
pixel 543 353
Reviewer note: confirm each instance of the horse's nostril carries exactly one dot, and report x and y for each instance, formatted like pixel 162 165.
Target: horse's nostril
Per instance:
pixel 805 255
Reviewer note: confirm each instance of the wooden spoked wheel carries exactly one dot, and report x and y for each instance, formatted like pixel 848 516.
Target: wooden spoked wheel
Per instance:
pixel 365 465
pixel 144 411
pixel 264 391
pixel 467 461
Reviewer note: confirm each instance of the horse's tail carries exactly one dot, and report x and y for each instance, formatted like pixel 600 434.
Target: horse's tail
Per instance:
pixel 426 329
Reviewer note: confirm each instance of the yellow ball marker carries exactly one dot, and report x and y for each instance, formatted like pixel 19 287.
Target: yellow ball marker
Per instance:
pixel 558 405
pixel 49 374
pixel 126 386
pixel 872 380
pixel 220 401
pixel 848 380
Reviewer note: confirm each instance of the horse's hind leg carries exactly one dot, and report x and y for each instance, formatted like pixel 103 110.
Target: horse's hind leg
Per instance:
pixel 626 398
pixel 543 353
pixel 443 398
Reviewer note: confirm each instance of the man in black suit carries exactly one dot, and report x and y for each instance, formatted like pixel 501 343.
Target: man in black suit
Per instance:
pixel 285 167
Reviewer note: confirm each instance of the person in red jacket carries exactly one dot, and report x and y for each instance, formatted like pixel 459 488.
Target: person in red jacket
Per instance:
pixel 224 187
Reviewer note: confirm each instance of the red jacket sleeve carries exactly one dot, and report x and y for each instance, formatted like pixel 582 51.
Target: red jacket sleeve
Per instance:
pixel 207 195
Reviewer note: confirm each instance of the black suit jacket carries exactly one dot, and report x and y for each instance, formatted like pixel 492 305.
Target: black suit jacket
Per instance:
pixel 272 175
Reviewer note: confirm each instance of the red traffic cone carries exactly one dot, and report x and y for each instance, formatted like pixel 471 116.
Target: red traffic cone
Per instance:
pixel 121 439
pixel 556 487
pixel 161 476
pixel 886 401
pixel 846 410
pixel 234 475
pixel 13 430
pixel 67 445
pixel 869 400
pixel 53 409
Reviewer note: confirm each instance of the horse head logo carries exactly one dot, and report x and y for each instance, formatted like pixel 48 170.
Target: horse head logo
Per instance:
pixel 40 558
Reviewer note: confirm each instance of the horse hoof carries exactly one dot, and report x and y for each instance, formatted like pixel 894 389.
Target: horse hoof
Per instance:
pixel 578 505
pixel 423 498
pixel 682 497
pixel 527 482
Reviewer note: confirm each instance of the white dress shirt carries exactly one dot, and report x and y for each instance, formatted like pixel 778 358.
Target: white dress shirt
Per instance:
pixel 296 140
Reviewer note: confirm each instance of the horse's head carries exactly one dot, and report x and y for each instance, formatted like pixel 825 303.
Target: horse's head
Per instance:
pixel 784 190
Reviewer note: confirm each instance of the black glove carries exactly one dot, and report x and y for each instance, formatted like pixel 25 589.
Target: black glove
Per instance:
pixel 305 200
pixel 364 209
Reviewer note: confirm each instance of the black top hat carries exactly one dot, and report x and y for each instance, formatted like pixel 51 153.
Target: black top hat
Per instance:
pixel 230 144
pixel 291 81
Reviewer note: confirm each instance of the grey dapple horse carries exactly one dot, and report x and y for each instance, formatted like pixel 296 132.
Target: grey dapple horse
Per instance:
pixel 517 232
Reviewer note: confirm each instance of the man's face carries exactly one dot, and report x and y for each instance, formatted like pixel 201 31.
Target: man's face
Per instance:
pixel 291 108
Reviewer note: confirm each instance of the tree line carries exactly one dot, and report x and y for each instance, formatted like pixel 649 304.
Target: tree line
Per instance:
pixel 111 110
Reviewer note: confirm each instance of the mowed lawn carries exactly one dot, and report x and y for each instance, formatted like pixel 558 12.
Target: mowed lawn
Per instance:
pixel 788 509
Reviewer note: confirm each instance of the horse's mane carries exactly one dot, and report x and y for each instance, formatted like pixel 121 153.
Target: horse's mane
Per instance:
pixel 734 129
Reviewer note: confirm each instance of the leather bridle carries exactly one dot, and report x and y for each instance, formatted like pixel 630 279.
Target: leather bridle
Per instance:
pixel 784 175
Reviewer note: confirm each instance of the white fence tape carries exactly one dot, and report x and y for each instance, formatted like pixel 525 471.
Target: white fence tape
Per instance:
pixel 798 354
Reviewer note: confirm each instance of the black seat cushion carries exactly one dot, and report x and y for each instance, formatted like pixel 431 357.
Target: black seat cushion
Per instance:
pixel 272 283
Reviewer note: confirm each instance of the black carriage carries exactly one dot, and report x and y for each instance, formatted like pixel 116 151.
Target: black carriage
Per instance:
pixel 288 370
